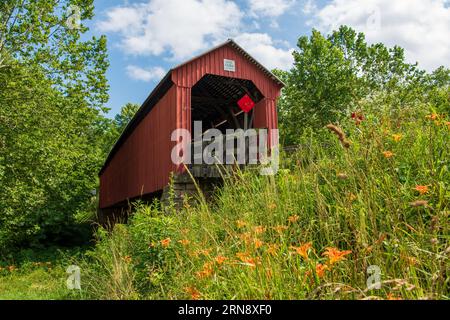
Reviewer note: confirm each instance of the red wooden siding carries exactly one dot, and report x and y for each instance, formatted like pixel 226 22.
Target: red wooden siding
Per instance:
pixel 142 163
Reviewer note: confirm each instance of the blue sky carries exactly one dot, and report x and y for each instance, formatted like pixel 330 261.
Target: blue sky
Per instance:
pixel 147 37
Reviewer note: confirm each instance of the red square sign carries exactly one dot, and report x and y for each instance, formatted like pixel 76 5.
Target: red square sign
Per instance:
pixel 246 104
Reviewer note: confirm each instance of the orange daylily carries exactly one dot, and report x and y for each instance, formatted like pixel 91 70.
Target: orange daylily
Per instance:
pixel 293 218
pixel 193 292
pixel 184 242
pixel 320 269
pixel 352 197
pixel 421 189
pixel 433 116
pixel 251 262
pixel 206 271
pixel 204 252
pixel 241 223
pixel 259 229
pixel 242 255
pixel 388 154
pixel 220 259
pixel 302 250
pixel 390 296
pixel 335 255
pixel 246 237
pixel 397 137
pixel 257 243
pixel 166 242
pixel 280 228
pixel 273 249
pixel 127 259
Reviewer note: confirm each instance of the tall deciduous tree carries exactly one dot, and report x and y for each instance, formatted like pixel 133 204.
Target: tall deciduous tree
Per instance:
pixel 332 73
pixel 52 93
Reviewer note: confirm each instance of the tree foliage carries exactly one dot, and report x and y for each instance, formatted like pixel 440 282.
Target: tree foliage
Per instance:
pixel 53 90
pixel 333 73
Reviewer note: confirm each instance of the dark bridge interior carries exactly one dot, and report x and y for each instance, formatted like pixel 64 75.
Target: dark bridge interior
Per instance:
pixel 214 102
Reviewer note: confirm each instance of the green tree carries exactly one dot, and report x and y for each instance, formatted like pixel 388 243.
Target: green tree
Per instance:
pixel 331 74
pixel 53 90
pixel 127 113
pixel 48 33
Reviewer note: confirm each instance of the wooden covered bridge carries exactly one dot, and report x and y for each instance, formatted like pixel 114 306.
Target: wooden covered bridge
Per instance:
pixel 205 88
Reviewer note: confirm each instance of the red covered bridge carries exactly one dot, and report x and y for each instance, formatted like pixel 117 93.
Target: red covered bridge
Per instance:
pixel 205 89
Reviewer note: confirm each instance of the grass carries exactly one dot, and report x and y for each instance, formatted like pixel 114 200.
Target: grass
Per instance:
pixel 38 275
pixel 354 200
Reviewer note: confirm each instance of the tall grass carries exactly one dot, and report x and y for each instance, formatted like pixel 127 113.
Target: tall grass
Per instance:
pixel 332 216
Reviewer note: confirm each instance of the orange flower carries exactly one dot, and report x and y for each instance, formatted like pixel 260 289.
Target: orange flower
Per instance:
pixel 246 237
pixel 280 228
pixel 127 259
pixel 251 262
pixel 421 189
pixel 204 252
pixel 390 296
pixel 257 243
pixel 206 271
pixel 242 255
pixel 302 250
pixel 320 269
pixel 335 255
pixel 433 116
pixel 166 242
pixel 184 242
pixel 447 123
pixel 352 197
pixel 259 229
pixel 220 259
pixel 241 223
pixel 397 137
pixel 293 218
pixel 193 292
pixel 272 249
pixel 387 154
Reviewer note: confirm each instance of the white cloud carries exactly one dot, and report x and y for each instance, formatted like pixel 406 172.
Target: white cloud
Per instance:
pixel 270 8
pixel 179 27
pixel 147 75
pixel 421 27
pixel 123 19
pixel 261 47
pixel 309 7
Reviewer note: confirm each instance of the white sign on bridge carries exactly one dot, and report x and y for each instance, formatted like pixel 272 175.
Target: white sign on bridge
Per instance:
pixel 229 65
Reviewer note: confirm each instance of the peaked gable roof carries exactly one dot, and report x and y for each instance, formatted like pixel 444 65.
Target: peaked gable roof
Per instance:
pixel 233 44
